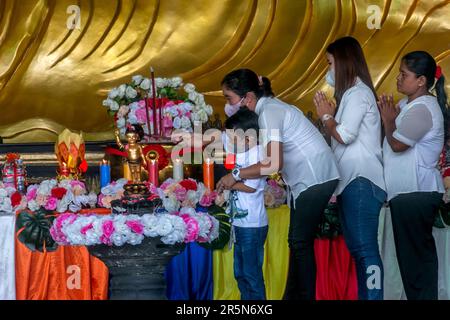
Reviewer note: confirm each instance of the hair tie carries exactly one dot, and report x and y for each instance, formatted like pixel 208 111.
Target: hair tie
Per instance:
pixel 438 74
pixel 261 82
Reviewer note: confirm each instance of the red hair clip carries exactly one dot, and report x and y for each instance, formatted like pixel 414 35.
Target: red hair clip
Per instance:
pixel 438 74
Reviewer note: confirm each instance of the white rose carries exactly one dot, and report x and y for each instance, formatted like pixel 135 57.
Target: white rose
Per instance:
pixel 114 106
pixel 146 84
pixel 121 122
pixel 132 119
pixel 131 93
pixel 177 123
pixel 122 89
pixel 113 94
pixel 209 110
pixel 5 205
pixel 160 82
pixel 3 193
pixel 185 122
pixel 189 87
pixel 203 116
pixel 176 82
pixel 164 226
pixel 137 79
pixel 33 205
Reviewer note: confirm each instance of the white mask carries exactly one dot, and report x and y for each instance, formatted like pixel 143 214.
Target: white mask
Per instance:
pixel 231 109
pixel 330 77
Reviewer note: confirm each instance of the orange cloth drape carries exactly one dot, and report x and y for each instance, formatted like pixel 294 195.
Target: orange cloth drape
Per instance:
pixel 69 273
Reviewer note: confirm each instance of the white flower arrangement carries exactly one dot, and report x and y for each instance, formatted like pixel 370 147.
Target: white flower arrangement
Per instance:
pixel 180 109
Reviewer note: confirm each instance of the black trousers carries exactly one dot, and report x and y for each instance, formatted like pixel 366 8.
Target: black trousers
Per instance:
pixel 413 217
pixel 305 218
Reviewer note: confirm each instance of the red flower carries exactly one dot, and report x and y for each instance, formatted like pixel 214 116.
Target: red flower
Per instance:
pixel 59 193
pixel 189 184
pixel 16 198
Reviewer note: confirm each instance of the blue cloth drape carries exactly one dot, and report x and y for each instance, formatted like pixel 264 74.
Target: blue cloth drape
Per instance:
pixel 189 276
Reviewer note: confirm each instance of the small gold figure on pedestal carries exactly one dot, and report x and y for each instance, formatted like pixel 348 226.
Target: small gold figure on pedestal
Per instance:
pixel 135 154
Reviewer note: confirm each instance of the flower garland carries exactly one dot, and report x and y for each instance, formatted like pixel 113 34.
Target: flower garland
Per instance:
pixel 180 110
pixel 187 225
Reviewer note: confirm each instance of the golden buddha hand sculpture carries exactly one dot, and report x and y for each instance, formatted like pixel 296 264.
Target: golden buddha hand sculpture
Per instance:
pixel 135 154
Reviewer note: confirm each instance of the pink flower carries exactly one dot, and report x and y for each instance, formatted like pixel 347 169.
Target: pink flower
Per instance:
pixel 272 183
pixel 208 199
pixel 108 230
pixel 192 228
pixel 41 200
pixel 31 193
pixel 75 183
pixel 85 229
pixel 188 203
pixel 141 115
pixel 180 193
pixel 141 104
pixel 51 204
pixel 135 226
pixel 56 229
pixel 169 104
pixel 165 185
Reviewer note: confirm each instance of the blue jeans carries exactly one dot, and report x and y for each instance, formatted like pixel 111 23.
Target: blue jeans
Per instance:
pixel 360 204
pixel 248 262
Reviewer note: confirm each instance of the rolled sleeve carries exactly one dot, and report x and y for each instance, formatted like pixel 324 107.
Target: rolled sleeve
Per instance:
pixel 355 109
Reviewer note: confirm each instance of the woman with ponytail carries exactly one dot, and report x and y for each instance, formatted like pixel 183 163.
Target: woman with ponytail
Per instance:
pixel 297 149
pixel 415 129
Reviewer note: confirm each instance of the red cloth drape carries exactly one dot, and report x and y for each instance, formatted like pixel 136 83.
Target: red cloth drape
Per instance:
pixel 336 272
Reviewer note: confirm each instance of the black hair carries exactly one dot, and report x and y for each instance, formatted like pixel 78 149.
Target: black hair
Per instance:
pixel 136 128
pixel 242 81
pixel 244 119
pixel 423 64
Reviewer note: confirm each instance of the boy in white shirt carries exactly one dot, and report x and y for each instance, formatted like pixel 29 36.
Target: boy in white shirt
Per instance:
pixel 246 206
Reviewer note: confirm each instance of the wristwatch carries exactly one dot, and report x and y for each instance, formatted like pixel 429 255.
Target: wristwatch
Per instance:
pixel 326 117
pixel 235 173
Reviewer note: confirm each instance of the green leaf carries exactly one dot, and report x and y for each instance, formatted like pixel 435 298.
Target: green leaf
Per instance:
pixel 36 230
pixel 224 229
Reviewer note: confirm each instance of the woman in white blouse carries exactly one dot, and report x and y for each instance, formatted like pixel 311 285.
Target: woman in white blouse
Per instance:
pixel 299 151
pixel 415 132
pixel 355 130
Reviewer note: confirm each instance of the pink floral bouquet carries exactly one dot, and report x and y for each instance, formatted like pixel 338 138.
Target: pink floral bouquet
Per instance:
pixel 274 194
pixel 187 193
pixel 67 195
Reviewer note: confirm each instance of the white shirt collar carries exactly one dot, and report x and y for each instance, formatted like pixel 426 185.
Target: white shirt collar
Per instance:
pixel 259 105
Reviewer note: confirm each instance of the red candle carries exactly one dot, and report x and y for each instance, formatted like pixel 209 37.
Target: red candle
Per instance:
pixel 208 173
pixel 154 100
pixel 153 173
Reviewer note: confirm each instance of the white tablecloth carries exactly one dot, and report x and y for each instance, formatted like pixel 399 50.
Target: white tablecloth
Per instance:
pixel 7 262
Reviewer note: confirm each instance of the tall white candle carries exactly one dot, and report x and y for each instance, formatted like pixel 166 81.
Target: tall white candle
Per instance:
pixel 178 173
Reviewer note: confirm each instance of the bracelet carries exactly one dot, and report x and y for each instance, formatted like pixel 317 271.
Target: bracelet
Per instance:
pixel 326 117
